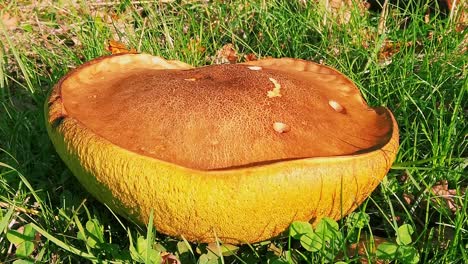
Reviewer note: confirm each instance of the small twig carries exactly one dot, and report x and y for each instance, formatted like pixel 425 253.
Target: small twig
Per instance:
pixel 19 209
pixel 110 3
pixel 383 18
pixel 452 10
pixel 141 35
pixel 39 25
pixel 131 2
pixel 327 9
pixel 62 9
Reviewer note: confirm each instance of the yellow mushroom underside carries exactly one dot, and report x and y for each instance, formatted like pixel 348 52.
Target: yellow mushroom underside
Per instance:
pixel 242 205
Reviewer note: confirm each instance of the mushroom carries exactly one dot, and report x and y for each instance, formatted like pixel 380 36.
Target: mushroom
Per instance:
pixel 210 152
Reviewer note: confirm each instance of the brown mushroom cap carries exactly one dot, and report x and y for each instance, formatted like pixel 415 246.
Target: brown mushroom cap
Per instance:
pixel 235 152
pixel 219 117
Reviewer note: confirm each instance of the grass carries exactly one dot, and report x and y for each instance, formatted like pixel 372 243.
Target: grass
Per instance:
pixel 417 68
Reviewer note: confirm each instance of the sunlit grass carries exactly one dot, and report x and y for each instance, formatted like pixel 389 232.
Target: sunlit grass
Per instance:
pixel 423 81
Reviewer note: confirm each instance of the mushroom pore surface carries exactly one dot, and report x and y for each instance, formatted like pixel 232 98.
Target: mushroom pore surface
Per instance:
pixel 226 116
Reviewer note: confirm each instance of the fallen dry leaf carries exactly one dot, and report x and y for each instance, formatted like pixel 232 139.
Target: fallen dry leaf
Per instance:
pixel 10 22
pixel 276 250
pixel 366 248
pixel 403 177
pixel 227 54
pixel 427 17
pixel 341 9
pixel 250 57
pixel 441 190
pixel 458 12
pixel 194 45
pixel 389 49
pixel 117 47
pixel 408 198
pixel 169 258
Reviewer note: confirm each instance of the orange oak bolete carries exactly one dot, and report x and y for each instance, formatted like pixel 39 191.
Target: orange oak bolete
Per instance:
pixel 235 152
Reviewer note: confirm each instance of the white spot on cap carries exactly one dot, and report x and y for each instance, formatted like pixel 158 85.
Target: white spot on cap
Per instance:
pixel 281 127
pixel 336 106
pixel 276 90
pixel 255 68
pixel 190 79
